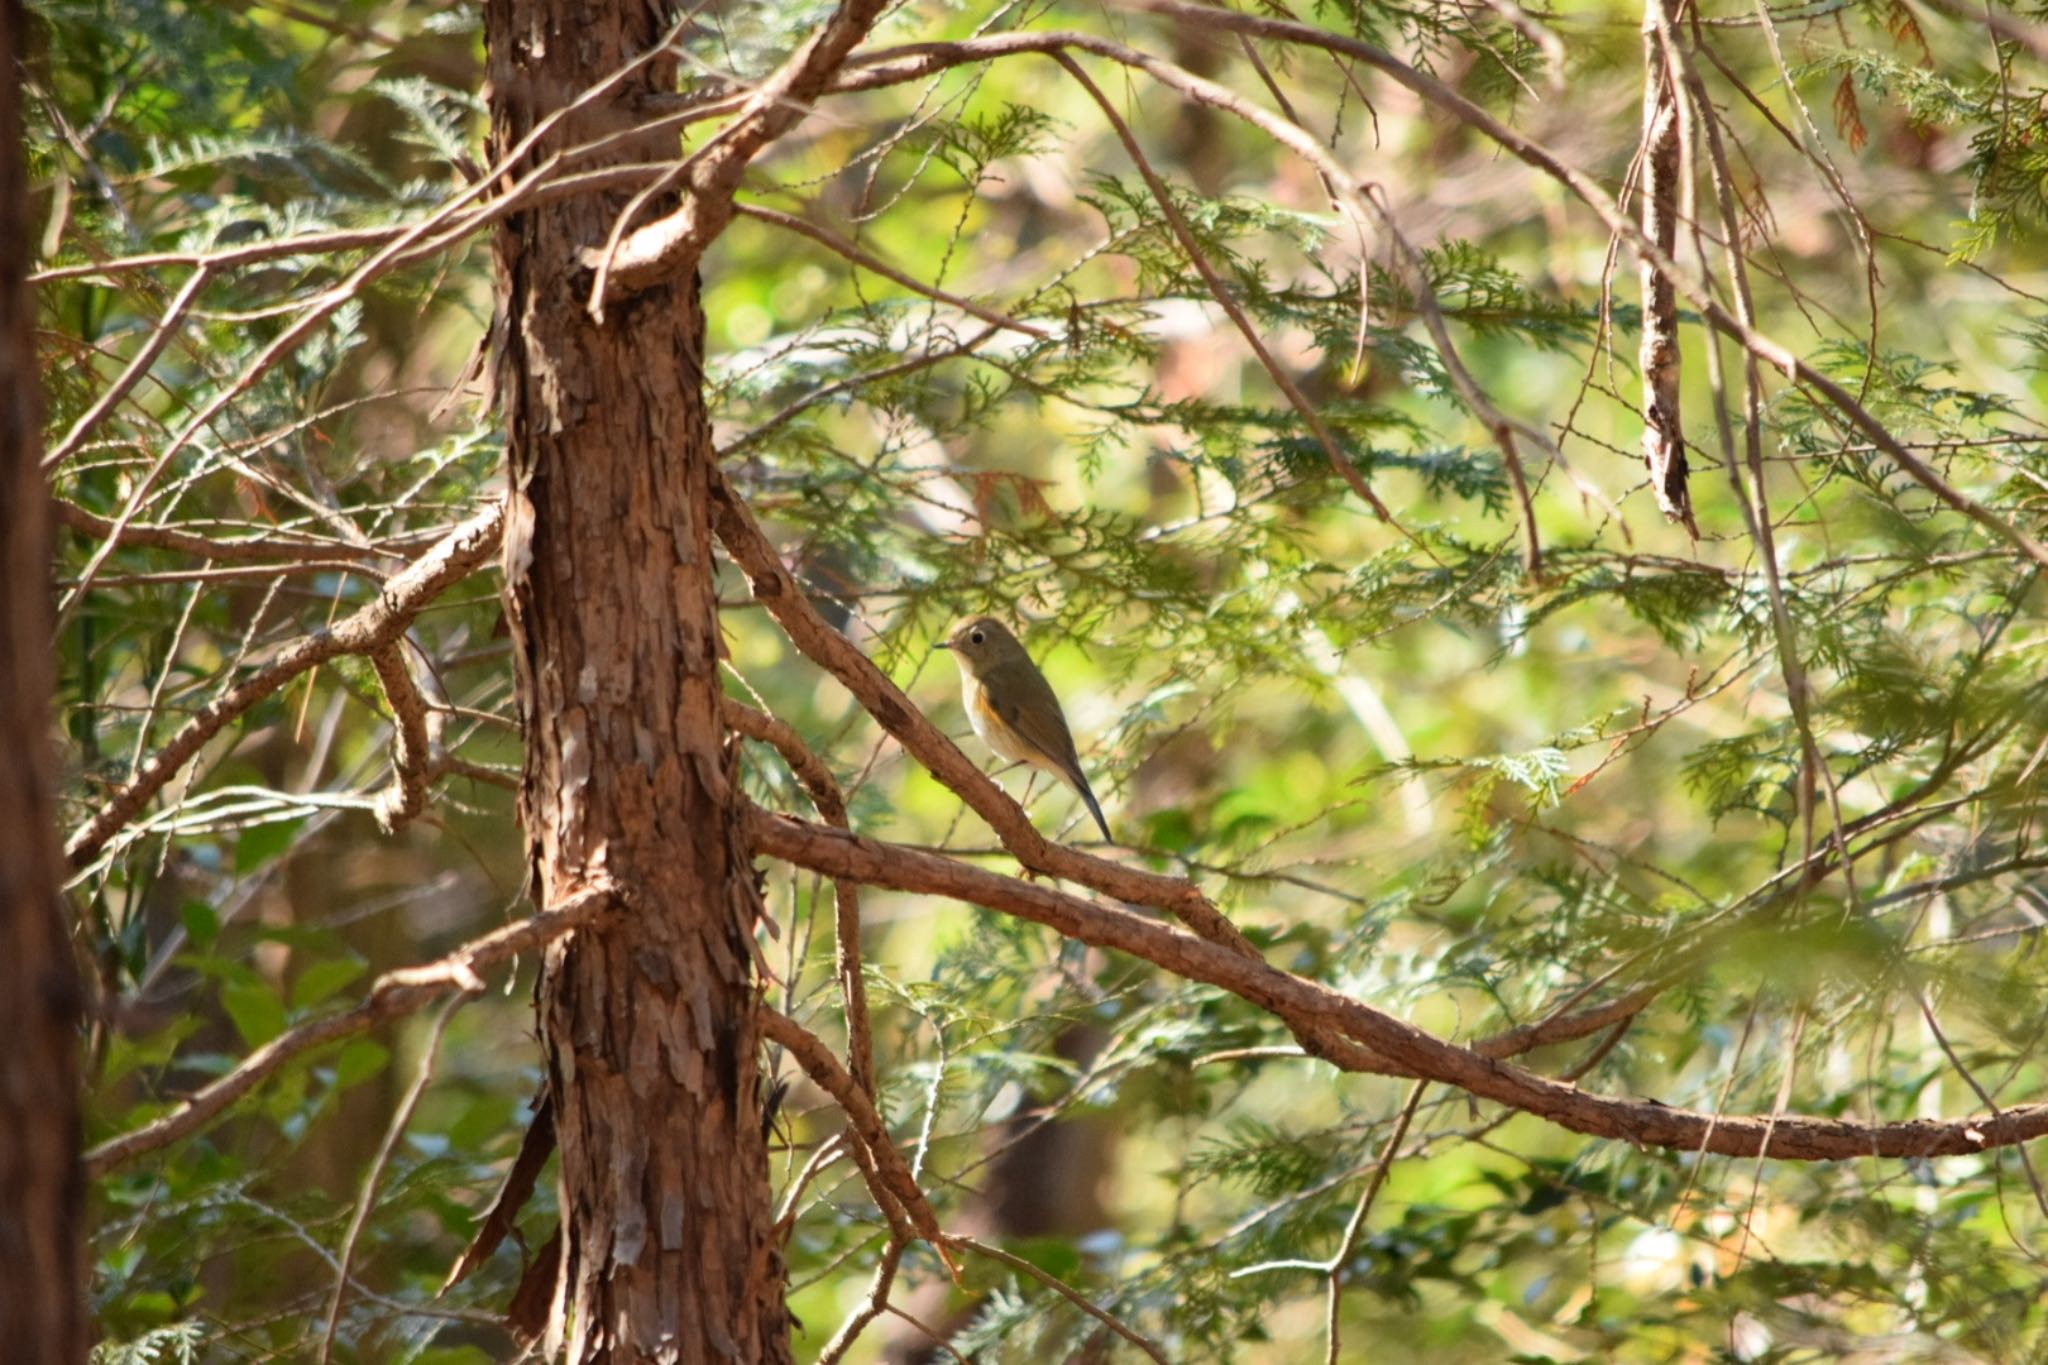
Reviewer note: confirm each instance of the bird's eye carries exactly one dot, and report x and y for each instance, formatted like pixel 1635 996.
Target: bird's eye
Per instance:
pixel 976 637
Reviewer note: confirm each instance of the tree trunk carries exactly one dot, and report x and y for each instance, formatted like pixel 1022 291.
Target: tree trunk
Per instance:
pixel 42 1314
pixel 648 1022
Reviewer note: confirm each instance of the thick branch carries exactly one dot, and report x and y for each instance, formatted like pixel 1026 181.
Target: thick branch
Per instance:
pixel 670 246
pixel 373 627
pixel 406 797
pixel 1416 1052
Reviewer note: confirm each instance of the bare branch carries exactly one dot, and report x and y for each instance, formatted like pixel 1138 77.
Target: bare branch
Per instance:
pixel 1565 1028
pixel 274 551
pixel 458 554
pixel 1067 1292
pixel 873 1305
pixel 1411 1050
pixel 160 336
pixel 401 1118
pixel 406 797
pixel 896 1184
pixel 1334 1300
pixel 395 993
pixel 671 245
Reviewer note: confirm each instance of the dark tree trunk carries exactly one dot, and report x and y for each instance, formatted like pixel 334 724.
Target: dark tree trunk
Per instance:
pixel 42 1316
pixel 648 1023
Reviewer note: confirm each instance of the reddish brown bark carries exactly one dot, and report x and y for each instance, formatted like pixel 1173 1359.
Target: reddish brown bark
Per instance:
pixel 647 1020
pixel 42 1315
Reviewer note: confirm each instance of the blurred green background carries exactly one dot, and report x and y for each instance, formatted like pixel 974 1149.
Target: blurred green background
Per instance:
pixel 1407 767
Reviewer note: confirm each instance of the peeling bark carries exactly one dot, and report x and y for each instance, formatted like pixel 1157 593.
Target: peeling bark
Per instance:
pixel 1663 432
pixel 669 1252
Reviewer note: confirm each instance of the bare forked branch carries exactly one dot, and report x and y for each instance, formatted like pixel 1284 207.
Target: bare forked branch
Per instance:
pixel 671 245
pixel 824 791
pixel 373 627
pixel 890 1180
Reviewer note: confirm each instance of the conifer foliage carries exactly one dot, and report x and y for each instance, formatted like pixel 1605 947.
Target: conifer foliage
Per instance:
pixel 1537 517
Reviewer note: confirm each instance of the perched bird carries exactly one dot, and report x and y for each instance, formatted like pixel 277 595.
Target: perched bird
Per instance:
pixel 1012 706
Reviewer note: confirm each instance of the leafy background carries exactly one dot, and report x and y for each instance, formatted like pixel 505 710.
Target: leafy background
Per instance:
pixel 1406 767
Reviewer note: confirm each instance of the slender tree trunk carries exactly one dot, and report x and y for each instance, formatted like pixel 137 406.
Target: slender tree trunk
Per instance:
pixel 42 1315
pixel 648 1024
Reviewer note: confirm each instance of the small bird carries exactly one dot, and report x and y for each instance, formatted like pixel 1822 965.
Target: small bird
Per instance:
pixel 1012 706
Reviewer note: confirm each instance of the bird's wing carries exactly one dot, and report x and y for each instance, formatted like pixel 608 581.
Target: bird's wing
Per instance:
pixel 1032 709
pixel 1020 695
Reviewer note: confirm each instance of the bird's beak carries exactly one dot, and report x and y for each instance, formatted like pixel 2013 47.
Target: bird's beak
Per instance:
pixel 943 644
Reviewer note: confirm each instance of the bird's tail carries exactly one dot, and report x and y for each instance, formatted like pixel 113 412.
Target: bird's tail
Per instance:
pixel 1080 782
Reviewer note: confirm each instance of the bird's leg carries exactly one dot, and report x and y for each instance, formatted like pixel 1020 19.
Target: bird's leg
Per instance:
pixel 1030 777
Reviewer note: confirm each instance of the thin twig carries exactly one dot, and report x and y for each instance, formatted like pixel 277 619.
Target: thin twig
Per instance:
pixel 889 1175
pixel 1221 292
pixel 1335 1266
pixel 401 1117
pixel 832 241
pixel 1069 1293
pixel 872 1306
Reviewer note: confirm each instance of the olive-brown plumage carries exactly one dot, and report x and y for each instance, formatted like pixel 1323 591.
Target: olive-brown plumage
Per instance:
pixel 1012 706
